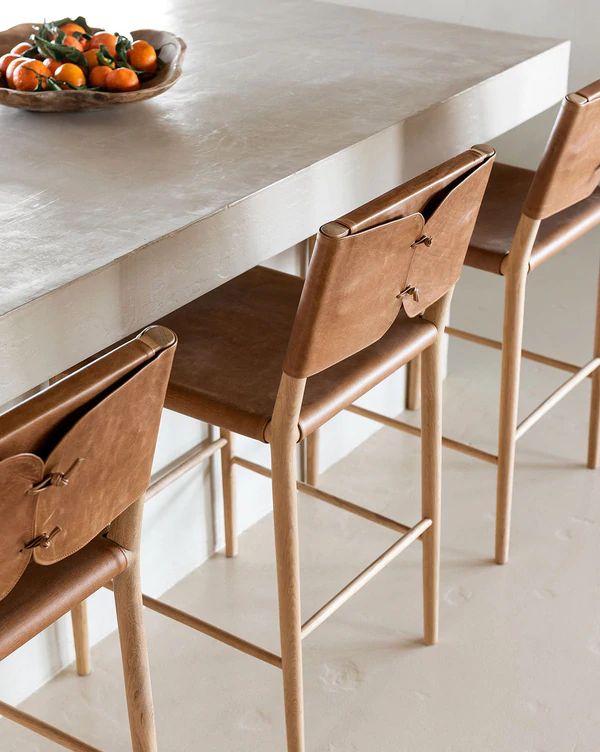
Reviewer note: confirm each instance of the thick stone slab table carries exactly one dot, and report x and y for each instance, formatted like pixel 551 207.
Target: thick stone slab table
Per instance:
pixel 289 113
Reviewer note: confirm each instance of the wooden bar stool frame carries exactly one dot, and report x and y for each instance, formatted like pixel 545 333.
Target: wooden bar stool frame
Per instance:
pixel 283 435
pixel 142 364
pixel 563 178
pixel 283 441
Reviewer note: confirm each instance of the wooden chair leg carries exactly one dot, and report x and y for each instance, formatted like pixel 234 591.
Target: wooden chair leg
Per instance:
pixel 431 485
pixel 312 458
pixel 229 505
pixel 594 430
pixel 79 622
pixel 512 339
pixel 285 517
pixel 431 379
pixel 413 384
pixel 130 619
pixel 128 602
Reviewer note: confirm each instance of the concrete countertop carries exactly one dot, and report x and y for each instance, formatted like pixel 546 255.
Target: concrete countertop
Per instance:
pixel 309 108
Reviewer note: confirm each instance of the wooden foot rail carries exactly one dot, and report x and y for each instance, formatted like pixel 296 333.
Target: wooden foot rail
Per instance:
pixel 182 464
pixel 206 449
pixel 399 425
pixel 556 396
pixel 527 354
pixel 579 375
pixel 212 631
pixel 335 501
pixel 364 577
pixel 45 729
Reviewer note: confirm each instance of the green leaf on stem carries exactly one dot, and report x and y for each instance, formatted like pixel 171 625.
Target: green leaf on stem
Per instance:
pixel 53 84
pixel 60 52
pixel 104 57
pixel 123 45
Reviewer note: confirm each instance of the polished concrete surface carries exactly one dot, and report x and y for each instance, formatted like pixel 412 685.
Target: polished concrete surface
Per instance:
pixel 270 89
pixel 518 665
pixel 289 113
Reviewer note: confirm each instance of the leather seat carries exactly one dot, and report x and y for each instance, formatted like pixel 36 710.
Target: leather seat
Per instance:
pixel 45 593
pixel 499 216
pixel 232 344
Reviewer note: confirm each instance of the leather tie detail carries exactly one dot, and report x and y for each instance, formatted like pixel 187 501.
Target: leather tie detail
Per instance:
pixel 410 290
pixel 423 240
pixel 56 479
pixel 43 540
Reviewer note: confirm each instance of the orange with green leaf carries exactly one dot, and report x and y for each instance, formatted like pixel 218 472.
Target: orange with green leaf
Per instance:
pixel 31 75
pixel 70 54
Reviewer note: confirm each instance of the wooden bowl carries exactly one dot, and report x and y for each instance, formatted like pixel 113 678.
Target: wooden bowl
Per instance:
pixel 171 54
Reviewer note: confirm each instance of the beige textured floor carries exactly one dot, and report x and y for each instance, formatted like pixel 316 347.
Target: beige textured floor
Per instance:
pixel 518 667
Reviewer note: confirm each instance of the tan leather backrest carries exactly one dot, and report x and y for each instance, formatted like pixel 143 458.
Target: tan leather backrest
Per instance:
pixel 75 456
pixel 403 249
pixel 570 168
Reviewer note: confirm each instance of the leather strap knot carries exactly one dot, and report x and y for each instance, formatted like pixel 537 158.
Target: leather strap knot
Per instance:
pixel 409 290
pixel 41 541
pixel 55 479
pixel 423 240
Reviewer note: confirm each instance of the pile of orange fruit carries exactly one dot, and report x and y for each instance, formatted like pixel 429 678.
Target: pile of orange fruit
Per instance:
pixel 67 54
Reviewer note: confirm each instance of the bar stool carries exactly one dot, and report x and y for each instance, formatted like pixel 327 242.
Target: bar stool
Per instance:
pixel 75 461
pixel 273 358
pixel 526 218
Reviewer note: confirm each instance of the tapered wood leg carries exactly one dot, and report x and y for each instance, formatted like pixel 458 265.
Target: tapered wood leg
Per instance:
pixel 128 600
pixel 312 458
pixel 594 430
pixel 283 457
pixel 81 638
pixel 413 384
pixel 514 304
pixel 512 339
pixel 431 489
pixel 431 373
pixel 229 506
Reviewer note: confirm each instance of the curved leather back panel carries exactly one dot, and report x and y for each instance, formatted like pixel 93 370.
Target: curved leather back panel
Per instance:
pixel 437 264
pixel 358 280
pixel 352 279
pixel 415 194
pixel 570 168
pixel 98 452
pixel 17 515
pixel 113 445
pixel 36 424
